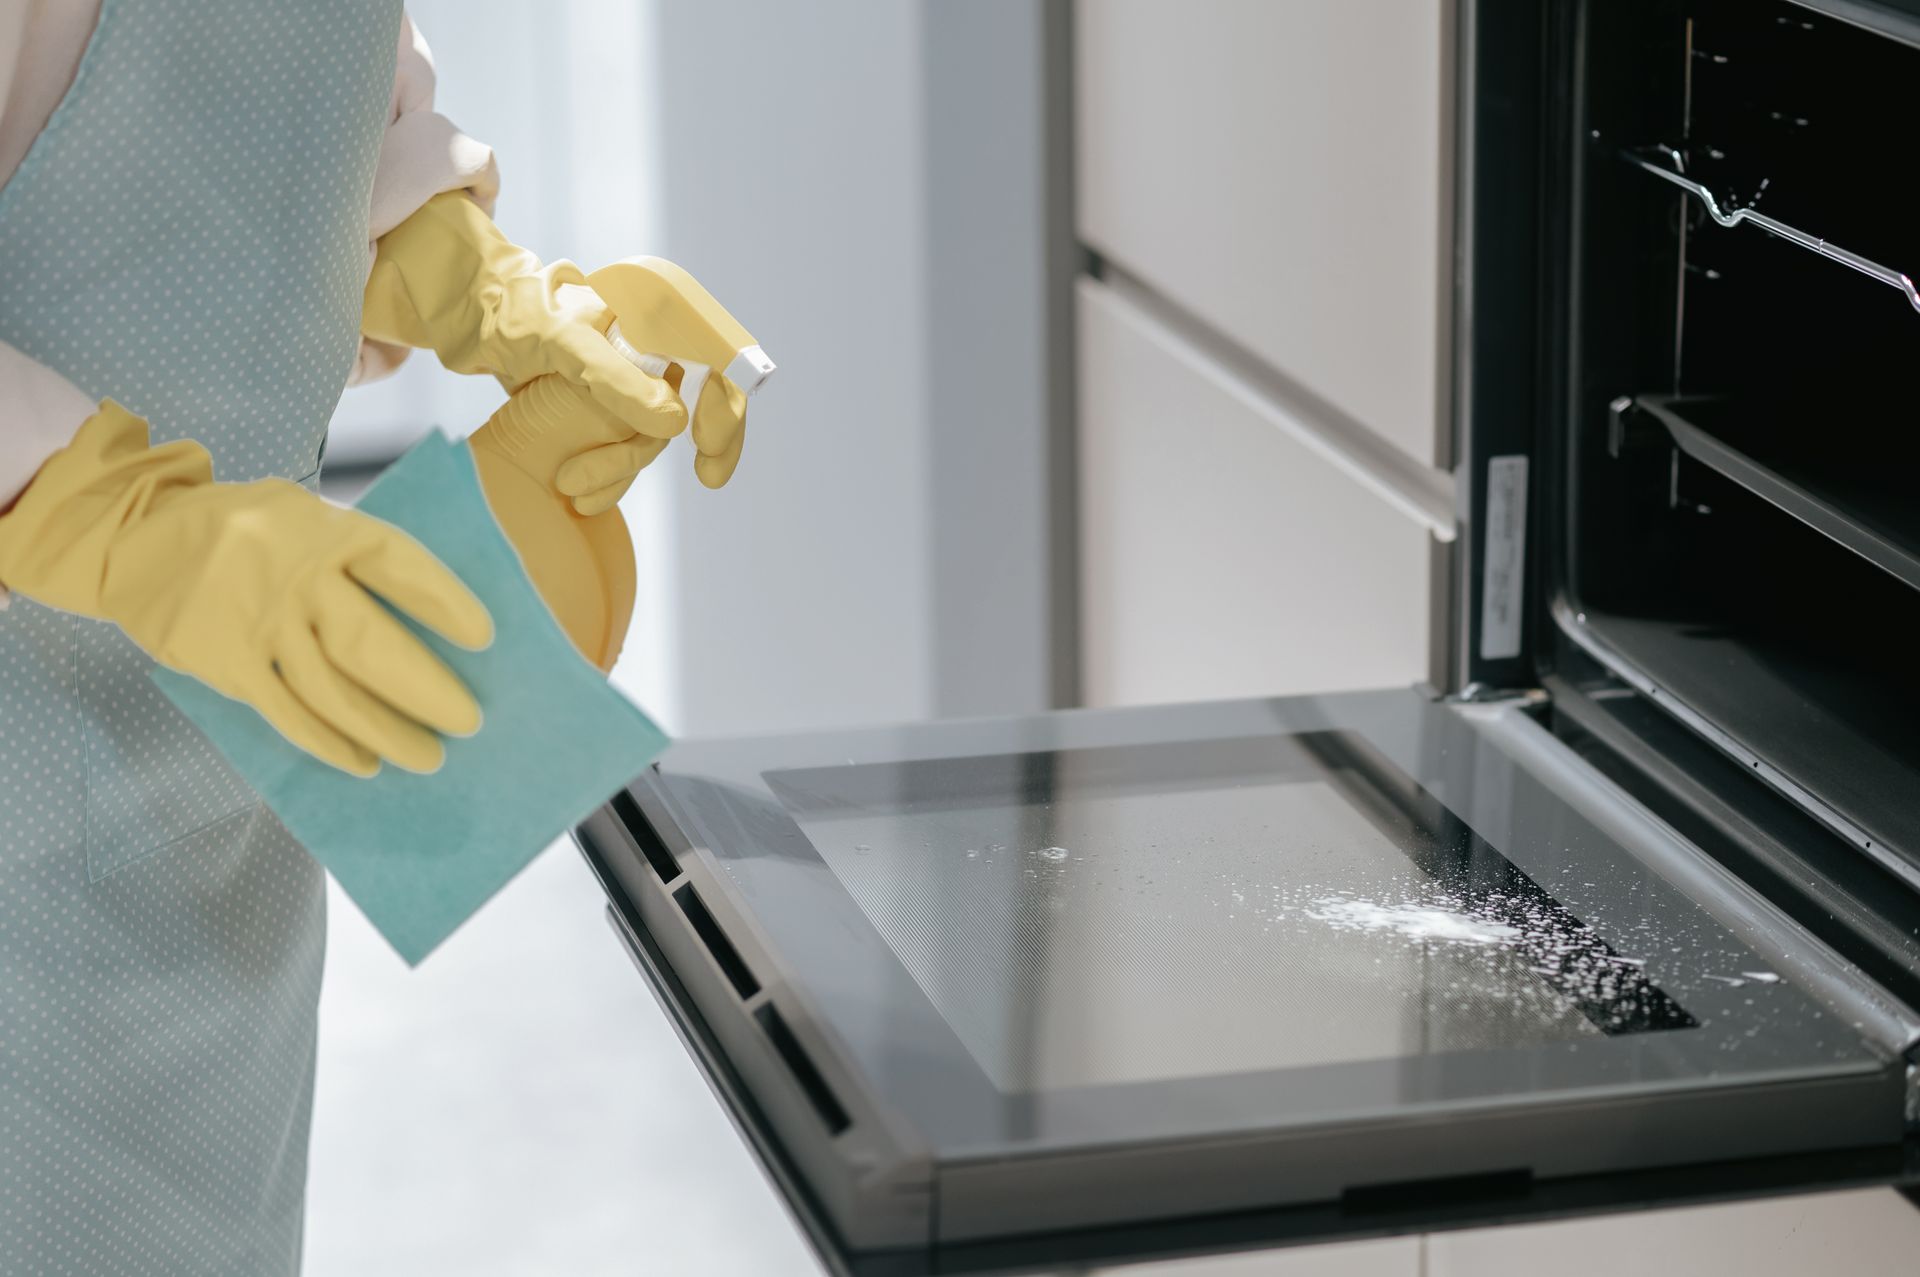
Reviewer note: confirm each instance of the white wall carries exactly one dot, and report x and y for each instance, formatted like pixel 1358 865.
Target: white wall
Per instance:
pixel 861 182
pixel 791 184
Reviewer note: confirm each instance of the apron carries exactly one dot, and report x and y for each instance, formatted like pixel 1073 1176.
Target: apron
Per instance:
pixel 188 235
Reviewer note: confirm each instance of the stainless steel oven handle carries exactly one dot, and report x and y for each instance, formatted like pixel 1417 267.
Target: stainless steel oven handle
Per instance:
pixel 1666 163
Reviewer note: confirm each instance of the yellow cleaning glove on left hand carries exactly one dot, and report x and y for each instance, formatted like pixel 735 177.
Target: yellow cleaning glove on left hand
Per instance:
pixel 448 281
pixel 263 591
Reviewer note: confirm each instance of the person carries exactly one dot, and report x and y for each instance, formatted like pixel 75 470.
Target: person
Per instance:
pixel 214 214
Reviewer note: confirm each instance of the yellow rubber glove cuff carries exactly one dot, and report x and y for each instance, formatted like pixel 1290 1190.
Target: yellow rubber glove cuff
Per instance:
pixel 448 281
pixel 263 591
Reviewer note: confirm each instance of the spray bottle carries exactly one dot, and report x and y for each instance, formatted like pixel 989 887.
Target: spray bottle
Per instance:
pixel 582 565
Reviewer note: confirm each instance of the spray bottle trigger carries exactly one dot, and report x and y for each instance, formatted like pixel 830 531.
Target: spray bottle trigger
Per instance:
pixel 749 370
pixel 693 380
pixel 652 365
pixel 693 377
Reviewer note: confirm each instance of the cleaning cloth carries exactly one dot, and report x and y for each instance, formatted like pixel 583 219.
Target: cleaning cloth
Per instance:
pixel 420 854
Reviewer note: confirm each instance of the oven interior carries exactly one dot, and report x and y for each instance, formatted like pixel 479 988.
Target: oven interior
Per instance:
pixel 1741 537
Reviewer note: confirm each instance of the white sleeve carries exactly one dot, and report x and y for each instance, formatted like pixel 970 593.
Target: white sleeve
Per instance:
pixel 422 155
pixel 13 47
pixel 41 42
pixel 39 413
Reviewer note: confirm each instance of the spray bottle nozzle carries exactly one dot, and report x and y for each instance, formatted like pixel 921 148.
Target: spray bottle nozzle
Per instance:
pixel 749 369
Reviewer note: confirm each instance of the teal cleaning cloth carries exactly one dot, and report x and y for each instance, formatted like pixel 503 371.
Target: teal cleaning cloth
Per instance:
pixel 420 854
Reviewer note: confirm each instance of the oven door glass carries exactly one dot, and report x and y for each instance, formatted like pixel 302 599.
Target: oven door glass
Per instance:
pixel 1139 913
pixel 1046 937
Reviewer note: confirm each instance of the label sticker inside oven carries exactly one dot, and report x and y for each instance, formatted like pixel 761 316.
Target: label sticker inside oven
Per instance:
pixel 1503 574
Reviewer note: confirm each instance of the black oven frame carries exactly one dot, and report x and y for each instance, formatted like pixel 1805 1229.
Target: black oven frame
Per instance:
pixel 1515 353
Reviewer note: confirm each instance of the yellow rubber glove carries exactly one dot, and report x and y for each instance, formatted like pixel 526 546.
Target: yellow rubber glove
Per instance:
pixel 259 590
pixel 597 478
pixel 448 281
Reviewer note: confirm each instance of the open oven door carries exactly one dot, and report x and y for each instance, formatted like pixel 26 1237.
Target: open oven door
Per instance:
pixel 1000 995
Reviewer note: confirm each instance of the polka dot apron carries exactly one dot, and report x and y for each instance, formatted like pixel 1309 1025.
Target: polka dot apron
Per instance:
pixel 188 235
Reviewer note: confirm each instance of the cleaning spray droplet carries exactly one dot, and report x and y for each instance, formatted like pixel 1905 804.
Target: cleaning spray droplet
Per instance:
pixel 1054 854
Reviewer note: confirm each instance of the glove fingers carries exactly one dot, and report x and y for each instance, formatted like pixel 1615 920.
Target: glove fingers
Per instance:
pixel 602 501
pixel 719 417
pixel 287 715
pixel 571 290
pixel 353 712
pixel 365 642
pixel 715 471
pixel 599 468
pixel 645 404
pixel 407 575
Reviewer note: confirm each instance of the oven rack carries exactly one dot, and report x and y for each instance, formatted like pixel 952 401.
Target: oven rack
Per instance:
pixel 1829 736
pixel 1784 460
pixel 1670 165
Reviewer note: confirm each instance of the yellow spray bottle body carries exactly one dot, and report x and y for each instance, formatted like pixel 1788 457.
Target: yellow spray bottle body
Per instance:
pixel 582 565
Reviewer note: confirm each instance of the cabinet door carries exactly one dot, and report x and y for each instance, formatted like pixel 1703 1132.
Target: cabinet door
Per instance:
pixel 1279 170
pixel 1220 557
pixel 1868 1231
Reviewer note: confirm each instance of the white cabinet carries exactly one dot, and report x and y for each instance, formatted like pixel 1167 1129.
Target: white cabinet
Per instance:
pixel 1279 168
pixel 1868 1231
pixel 1220 557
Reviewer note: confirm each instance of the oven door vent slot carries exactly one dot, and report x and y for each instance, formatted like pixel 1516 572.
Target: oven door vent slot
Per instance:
pixel 800 1064
pixel 725 956
pixel 640 829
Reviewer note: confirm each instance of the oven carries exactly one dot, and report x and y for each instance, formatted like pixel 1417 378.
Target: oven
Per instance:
pixel 1623 909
